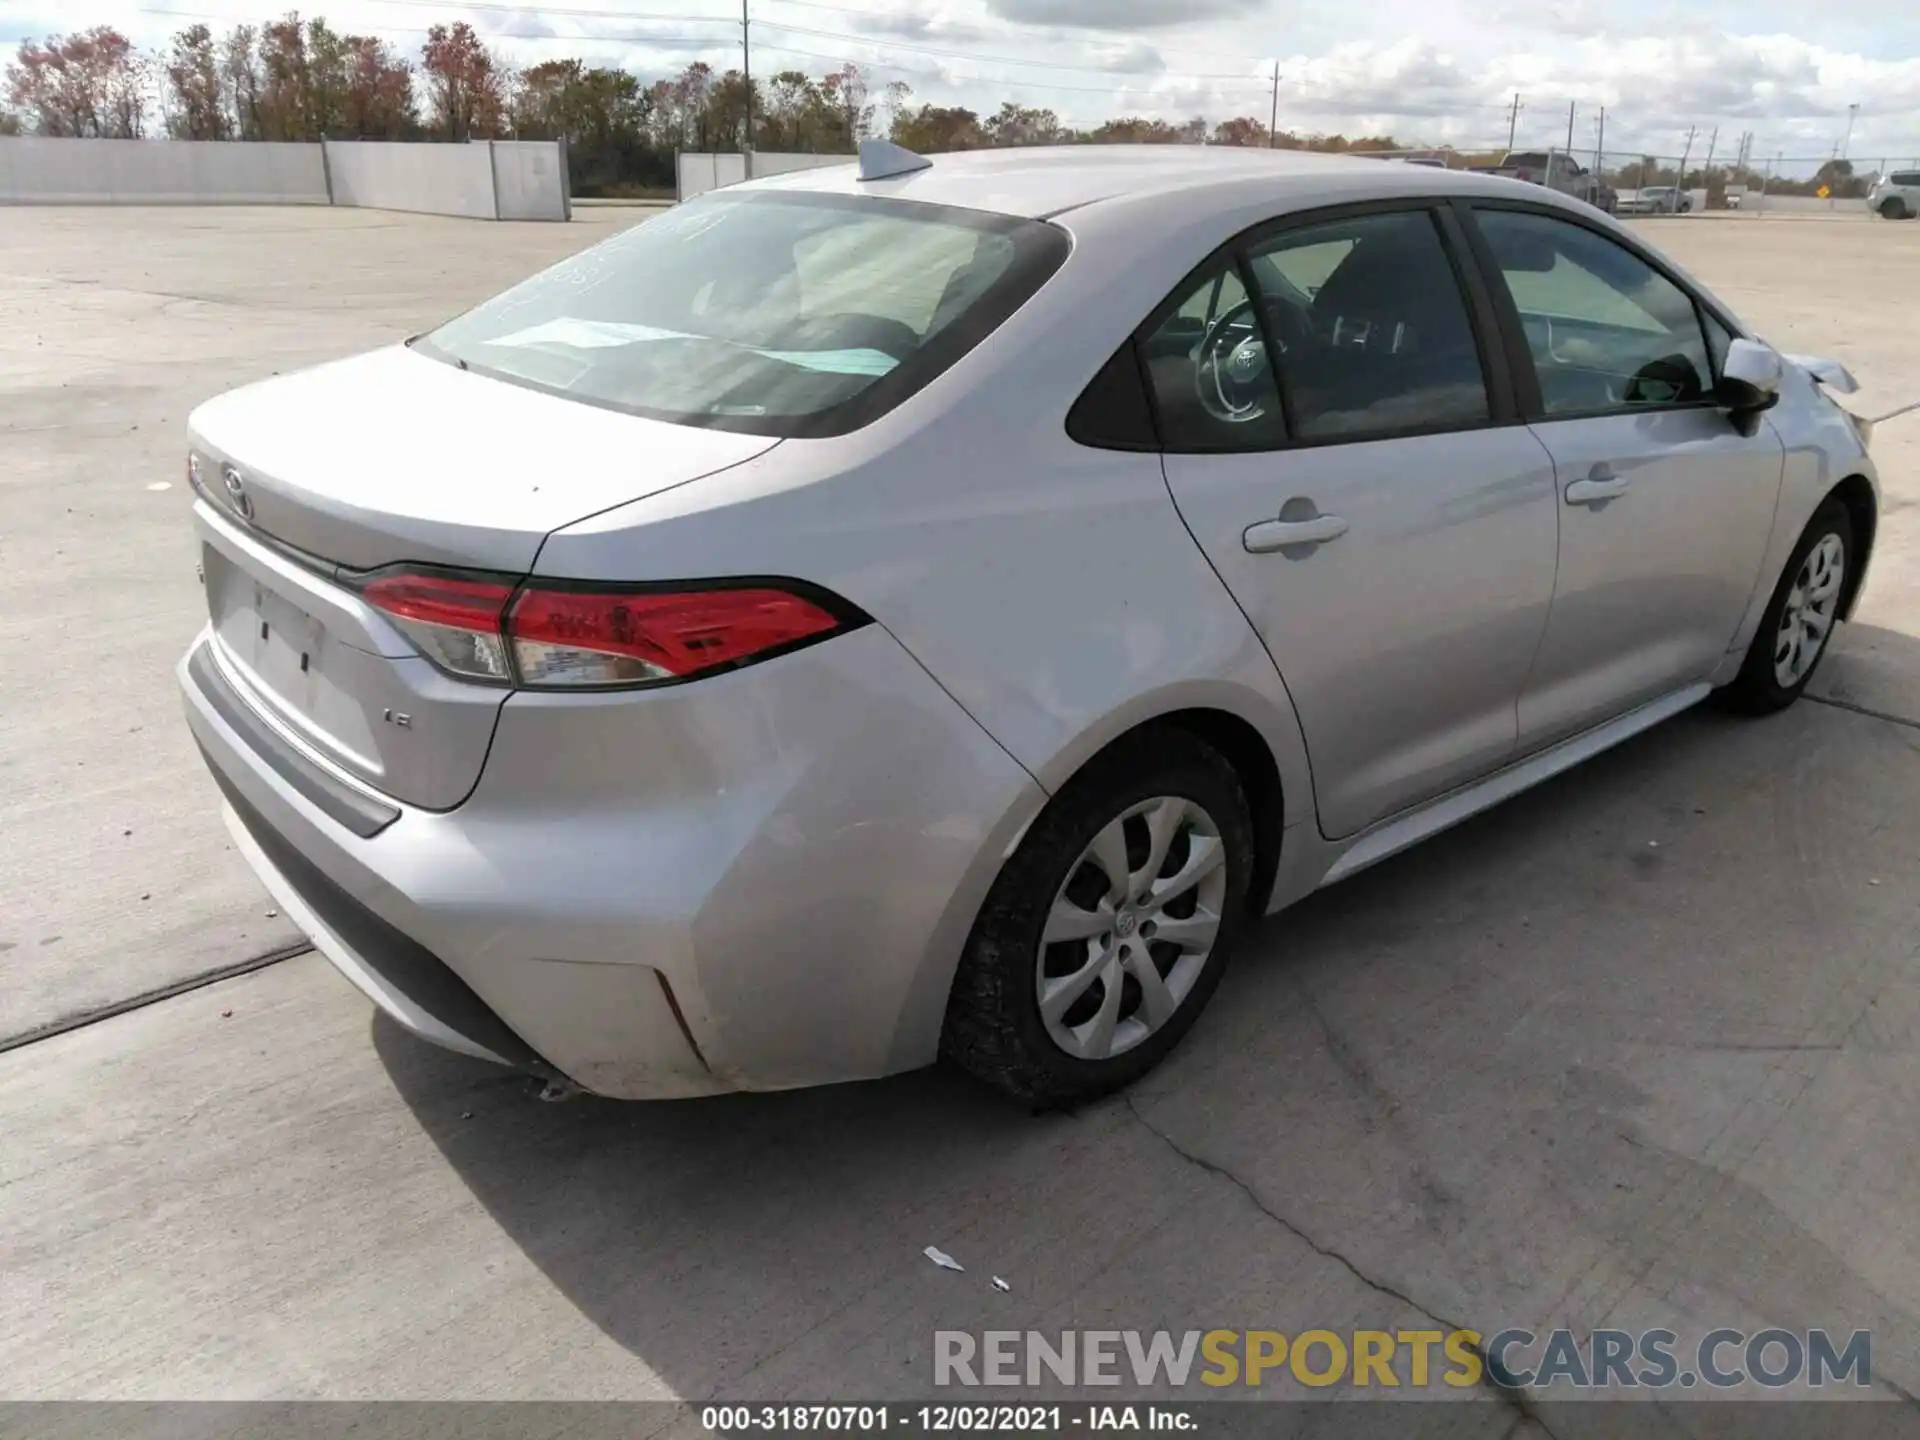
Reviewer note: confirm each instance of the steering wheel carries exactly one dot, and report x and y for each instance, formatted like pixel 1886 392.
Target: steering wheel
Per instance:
pixel 1232 370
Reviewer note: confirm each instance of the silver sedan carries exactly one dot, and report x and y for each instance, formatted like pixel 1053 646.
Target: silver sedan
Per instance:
pixel 934 607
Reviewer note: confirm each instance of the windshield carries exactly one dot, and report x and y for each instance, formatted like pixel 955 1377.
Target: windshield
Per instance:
pixel 775 314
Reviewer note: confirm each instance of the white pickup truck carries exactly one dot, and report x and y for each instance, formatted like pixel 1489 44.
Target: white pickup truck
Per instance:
pixel 1558 170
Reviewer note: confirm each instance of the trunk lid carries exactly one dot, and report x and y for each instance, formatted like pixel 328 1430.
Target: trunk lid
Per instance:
pixel 387 459
pixel 393 456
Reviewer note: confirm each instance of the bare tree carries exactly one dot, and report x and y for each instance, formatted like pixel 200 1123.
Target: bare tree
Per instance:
pixel 240 82
pixel 466 85
pixel 194 102
pixel 91 84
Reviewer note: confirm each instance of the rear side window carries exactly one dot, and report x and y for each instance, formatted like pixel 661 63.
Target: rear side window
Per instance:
pixel 774 314
pixel 1207 365
pixel 1368 324
pixel 1114 412
pixel 1905 177
pixel 1372 328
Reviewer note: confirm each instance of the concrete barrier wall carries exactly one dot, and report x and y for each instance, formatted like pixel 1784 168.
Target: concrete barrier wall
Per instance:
pixel 764 165
pixel 530 180
pixel 697 173
pixel 498 180
pixel 38 168
pixel 1800 205
pixel 428 179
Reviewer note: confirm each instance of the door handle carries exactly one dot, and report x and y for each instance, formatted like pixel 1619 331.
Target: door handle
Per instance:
pixel 1271 535
pixel 1601 484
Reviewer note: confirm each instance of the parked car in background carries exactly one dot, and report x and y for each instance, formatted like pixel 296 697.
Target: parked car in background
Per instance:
pixel 1656 200
pixel 934 607
pixel 1558 170
pixel 1896 196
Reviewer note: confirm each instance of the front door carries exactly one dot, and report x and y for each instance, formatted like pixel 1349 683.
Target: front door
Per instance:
pixel 1666 509
pixel 1392 543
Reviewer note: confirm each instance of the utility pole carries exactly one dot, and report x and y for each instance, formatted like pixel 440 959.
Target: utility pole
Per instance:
pixel 746 72
pixel 1680 180
pixel 1600 143
pixel 1273 118
pixel 1513 118
pixel 1706 170
pixel 1570 105
pixel 1853 111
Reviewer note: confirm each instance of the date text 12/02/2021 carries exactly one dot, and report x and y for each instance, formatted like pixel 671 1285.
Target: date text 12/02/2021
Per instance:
pixel 944 1419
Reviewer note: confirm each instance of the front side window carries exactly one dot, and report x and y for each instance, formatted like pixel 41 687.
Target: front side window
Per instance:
pixel 1371 327
pixel 772 314
pixel 1607 331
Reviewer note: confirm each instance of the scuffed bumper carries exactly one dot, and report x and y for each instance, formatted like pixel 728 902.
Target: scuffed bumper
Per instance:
pixel 760 881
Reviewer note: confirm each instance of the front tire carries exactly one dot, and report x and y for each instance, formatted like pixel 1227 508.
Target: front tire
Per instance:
pixel 1895 209
pixel 1798 624
pixel 1108 929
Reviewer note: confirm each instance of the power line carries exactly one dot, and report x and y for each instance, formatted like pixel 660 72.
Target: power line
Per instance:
pixel 911 48
pixel 906 46
pixel 894 15
pixel 923 74
pixel 701 42
pixel 706 41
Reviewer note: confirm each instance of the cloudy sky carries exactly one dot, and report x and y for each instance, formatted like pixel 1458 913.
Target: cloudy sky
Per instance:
pixel 1426 70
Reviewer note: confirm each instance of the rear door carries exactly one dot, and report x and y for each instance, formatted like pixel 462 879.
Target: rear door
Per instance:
pixel 1382 520
pixel 1665 508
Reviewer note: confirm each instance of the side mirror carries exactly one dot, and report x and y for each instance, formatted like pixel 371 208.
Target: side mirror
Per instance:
pixel 1750 379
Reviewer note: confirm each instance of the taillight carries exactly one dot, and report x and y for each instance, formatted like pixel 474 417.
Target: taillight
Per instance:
pixel 567 637
pixel 454 620
pixel 590 637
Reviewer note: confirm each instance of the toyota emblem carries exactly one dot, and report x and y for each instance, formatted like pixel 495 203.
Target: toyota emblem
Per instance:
pixel 237 492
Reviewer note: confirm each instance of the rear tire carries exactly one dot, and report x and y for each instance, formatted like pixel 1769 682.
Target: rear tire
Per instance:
pixel 1056 884
pixel 1895 209
pixel 1786 650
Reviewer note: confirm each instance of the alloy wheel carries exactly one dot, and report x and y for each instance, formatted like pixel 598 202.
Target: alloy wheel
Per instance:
pixel 1132 927
pixel 1808 616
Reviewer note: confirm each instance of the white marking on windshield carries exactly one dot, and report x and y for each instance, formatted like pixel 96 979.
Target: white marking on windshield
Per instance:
pixel 601 334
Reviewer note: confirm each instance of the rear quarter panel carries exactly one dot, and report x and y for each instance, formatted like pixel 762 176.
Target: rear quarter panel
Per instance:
pixel 1051 588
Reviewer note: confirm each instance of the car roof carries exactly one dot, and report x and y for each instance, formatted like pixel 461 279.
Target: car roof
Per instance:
pixel 1044 181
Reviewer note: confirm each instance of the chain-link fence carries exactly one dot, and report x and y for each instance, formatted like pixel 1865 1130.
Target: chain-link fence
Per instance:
pixel 1638 183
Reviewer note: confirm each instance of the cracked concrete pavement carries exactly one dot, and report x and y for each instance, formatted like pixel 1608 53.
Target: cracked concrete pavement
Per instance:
pixel 1637 1049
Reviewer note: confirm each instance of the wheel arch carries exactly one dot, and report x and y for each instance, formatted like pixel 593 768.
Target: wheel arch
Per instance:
pixel 1251 754
pixel 1252 759
pixel 1863 510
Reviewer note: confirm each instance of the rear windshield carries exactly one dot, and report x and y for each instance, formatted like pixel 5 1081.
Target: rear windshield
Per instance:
pixel 774 314
pixel 1533 159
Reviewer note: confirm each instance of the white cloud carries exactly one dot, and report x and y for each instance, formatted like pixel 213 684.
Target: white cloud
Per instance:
pixel 1122 14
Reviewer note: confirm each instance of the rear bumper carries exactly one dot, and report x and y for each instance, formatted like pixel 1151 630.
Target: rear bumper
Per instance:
pixel 757 882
